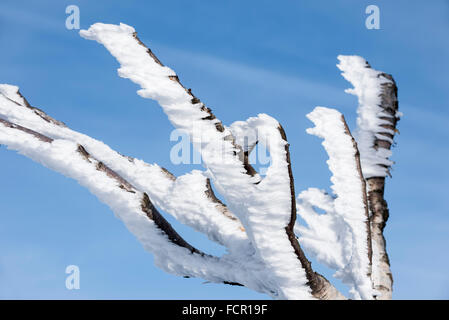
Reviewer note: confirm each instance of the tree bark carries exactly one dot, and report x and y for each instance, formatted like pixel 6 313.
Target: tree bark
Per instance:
pixel 379 213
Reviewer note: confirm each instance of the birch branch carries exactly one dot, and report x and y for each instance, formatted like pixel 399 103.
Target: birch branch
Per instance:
pixel 349 187
pixel 376 127
pixel 321 288
pixel 382 278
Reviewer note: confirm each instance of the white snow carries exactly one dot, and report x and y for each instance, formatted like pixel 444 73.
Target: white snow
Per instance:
pixel 259 255
pixel 245 135
pixel 348 188
pixel 269 212
pixel 164 192
pixel 61 156
pixel 149 178
pixel 11 92
pixel 264 208
pixel 327 236
pixel 367 87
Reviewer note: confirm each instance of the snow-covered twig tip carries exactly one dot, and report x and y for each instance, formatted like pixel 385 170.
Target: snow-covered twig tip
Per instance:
pixel 376 122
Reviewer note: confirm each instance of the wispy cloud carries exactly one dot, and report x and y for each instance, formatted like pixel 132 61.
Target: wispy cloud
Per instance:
pixel 255 76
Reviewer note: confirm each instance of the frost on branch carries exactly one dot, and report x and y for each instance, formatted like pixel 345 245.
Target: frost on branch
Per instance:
pixel 374 121
pixel 350 204
pixel 256 225
pixel 265 207
pixel 376 127
pixel 327 236
pixel 126 186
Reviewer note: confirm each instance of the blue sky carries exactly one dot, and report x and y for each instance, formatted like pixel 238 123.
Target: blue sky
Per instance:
pixel 241 58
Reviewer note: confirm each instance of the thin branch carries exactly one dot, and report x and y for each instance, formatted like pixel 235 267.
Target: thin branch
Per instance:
pixel 37 135
pixel 163 224
pixel 350 203
pixel 321 288
pixel 147 206
pixel 219 204
pixel 365 199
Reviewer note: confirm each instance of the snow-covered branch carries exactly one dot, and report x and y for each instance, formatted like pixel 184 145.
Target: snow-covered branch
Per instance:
pixel 376 121
pixel 350 203
pixel 265 207
pixel 258 222
pixel 376 127
pixel 163 187
pixel 128 203
pixel 60 149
